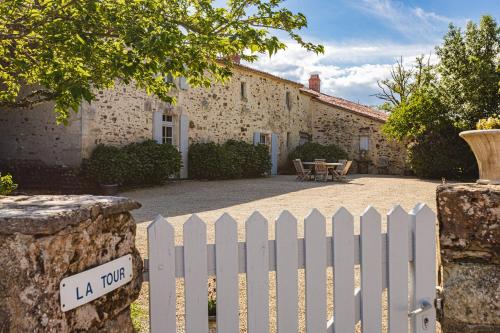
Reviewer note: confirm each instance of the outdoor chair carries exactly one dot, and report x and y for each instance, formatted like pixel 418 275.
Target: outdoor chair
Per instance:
pixel 342 175
pixel 302 173
pixel 320 170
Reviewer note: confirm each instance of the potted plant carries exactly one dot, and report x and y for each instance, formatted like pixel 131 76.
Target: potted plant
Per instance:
pixel 212 306
pixel 107 165
pixel 485 144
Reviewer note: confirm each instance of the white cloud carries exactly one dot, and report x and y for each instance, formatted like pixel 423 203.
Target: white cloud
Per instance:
pixel 412 22
pixel 348 70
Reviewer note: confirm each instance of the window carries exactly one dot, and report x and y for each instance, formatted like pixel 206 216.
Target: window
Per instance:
pixel 169 78
pixel 167 129
pixel 304 138
pixel 288 101
pixel 263 139
pixel 243 91
pixel 288 137
pixel 364 143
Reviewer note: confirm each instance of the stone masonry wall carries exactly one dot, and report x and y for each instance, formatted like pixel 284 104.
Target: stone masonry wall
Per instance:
pixel 32 134
pixel 44 239
pixel 344 128
pixel 221 114
pixel 118 117
pixel 124 114
pixel 469 220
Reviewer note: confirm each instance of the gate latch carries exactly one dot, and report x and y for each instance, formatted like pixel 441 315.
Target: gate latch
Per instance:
pixel 425 306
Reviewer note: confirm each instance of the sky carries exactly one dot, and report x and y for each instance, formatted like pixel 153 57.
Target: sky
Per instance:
pixel 363 39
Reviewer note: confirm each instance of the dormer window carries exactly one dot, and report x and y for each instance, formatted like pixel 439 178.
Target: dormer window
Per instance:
pixel 243 91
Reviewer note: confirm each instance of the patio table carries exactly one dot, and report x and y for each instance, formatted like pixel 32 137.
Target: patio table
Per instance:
pixel 329 165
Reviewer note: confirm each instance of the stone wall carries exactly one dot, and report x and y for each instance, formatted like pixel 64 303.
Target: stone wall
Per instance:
pixel 118 117
pixel 44 239
pixel 124 114
pixel 469 219
pixel 32 134
pixel 332 125
pixel 221 114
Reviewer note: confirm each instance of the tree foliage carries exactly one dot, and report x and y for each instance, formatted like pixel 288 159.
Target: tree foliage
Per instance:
pixel 431 104
pixel 66 49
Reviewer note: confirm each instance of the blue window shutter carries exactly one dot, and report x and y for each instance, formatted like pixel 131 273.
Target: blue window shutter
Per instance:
pixel 184 143
pixel 256 138
pixel 274 154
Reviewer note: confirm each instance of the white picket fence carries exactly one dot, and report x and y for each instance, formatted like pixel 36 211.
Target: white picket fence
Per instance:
pixel 384 259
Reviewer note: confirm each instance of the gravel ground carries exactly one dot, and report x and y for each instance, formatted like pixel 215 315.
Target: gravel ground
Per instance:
pixel 209 200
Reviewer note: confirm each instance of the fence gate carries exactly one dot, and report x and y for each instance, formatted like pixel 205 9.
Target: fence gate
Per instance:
pixel 403 261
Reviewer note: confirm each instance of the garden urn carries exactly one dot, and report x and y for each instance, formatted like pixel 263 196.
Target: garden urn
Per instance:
pixel 485 145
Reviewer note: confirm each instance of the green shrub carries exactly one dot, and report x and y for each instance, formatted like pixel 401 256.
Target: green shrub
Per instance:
pixel 488 123
pixel 7 184
pixel 310 151
pixel 441 154
pixel 233 159
pixel 142 163
pixel 107 165
pixel 151 163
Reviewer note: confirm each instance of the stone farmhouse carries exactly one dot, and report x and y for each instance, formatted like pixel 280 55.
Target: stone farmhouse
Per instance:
pixel 253 106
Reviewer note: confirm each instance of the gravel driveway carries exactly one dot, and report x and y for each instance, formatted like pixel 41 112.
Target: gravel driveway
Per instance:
pixel 178 200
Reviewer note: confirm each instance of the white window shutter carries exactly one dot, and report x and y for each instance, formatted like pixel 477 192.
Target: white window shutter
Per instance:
pixel 256 138
pixel 183 84
pixel 157 126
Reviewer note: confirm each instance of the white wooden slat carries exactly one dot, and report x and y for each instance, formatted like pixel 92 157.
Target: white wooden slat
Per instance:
pixel 195 271
pixel 162 295
pixel 315 267
pixel 286 272
pixel 371 271
pixel 343 259
pixel 397 232
pixel 257 260
pixel 423 222
pixel 226 239
pixel 179 256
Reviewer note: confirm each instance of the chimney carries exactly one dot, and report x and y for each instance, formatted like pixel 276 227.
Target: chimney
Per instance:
pixel 236 59
pixel 315 83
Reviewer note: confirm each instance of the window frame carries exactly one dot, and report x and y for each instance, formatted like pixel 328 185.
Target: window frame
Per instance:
pixel 167 122
pixel 288 100
pixel 243 91
pixel 362 140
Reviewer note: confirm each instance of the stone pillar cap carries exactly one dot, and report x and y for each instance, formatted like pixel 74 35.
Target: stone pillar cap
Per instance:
pixel 47 214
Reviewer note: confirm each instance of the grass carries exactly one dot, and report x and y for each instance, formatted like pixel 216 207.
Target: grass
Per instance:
pixel 140 317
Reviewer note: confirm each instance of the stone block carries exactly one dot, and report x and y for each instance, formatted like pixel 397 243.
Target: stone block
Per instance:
pixel 44 239
pixel 472 297
pixel 469 223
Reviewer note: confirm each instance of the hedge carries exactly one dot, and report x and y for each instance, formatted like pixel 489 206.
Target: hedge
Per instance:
pixel 144 163
pixel 231 160
pixel 310 151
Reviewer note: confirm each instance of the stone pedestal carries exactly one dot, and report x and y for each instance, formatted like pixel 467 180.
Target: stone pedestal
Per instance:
pixel 44 239
pixel 469 218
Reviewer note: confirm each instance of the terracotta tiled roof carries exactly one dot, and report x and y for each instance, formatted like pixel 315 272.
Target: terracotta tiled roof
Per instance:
pixel 353 107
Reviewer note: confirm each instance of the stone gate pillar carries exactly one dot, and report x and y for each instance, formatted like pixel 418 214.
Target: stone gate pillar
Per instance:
pixel 44 239
pixel 469 220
